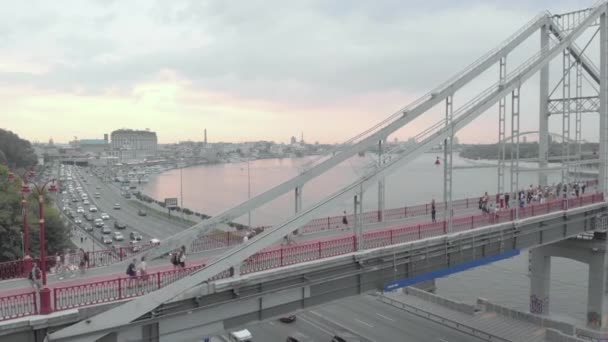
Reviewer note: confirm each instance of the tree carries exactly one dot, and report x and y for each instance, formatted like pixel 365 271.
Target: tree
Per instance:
pixel 10 218
pixel 17 152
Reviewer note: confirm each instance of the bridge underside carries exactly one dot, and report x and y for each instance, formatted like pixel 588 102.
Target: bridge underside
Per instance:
pixel 212 308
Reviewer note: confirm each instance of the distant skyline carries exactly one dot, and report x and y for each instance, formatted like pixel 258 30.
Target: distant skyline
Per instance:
pixel 245 71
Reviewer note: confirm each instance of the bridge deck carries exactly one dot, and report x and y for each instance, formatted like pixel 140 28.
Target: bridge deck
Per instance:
pixel 111 284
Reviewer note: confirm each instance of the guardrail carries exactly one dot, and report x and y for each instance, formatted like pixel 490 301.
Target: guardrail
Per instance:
pixel 465 328
pixel 126 287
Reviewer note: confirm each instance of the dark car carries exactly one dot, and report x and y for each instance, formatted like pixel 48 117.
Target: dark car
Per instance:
pixel 288 319
pixel 88 217
pixel 135 236
pixel 338 339
pixel 141 212
pixel 119 225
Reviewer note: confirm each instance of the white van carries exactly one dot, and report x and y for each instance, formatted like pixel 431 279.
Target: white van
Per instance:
pixel 240 336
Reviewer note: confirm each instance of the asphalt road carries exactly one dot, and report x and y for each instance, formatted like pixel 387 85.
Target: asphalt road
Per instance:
pixel 360 318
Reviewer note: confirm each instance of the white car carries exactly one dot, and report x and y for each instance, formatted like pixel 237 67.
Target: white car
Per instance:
pixel 98 222
pixel 93 209
pixel 86 202
pixel 80 210
pixel 104 216
pixel 118 236
pixel 78 221
pixel 116 205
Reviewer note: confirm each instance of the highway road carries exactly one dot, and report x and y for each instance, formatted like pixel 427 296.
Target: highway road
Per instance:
pixel 363 318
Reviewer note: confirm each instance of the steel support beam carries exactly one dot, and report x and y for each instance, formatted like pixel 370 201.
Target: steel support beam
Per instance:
pixel 577 126
pixel 381 184
pixel 358 217
pixel 447 162
pixel 603 169
pixel 502 116
pixel 543 124
pixel 515 149
pixel 566 120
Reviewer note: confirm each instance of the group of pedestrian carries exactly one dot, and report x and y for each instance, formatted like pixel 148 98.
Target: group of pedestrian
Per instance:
pixel 137 273
pixel 178 259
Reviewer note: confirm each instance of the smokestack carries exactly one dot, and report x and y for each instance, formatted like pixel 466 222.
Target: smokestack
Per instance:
pixel 205 137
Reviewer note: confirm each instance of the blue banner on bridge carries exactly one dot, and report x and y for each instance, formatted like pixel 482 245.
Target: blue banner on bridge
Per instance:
pixel 397 284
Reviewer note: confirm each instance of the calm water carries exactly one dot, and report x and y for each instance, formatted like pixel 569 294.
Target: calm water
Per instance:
pixel 214 188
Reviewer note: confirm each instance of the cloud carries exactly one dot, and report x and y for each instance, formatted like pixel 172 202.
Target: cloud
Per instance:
pixel 290 56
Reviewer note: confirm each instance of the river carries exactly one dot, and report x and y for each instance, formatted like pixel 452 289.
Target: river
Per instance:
pixel 210 189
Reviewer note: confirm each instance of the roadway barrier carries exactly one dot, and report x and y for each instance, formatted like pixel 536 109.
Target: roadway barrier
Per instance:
pixel 125 287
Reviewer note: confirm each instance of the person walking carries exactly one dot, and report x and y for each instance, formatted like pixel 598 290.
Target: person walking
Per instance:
pixel 182 257
pixel 36 276
pixel 142 268
pixel 132 273
pixel 344 220
pixel 433 211
pixel 84 260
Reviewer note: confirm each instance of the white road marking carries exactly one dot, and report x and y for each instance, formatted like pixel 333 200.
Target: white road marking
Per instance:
pixel 364 323
pixel 387 318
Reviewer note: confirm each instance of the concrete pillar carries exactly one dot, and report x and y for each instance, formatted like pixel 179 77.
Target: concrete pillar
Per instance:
pixel 543 124
pixel 596 317
pixel 540 277
pixel 603 167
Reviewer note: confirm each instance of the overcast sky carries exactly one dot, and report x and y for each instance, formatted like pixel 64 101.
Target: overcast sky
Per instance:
pixel 245 70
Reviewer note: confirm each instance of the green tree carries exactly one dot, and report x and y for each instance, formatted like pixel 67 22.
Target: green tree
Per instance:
pixel 10 218
pixel 17 152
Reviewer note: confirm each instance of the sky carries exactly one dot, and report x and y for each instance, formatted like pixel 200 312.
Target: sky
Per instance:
pixel 245 70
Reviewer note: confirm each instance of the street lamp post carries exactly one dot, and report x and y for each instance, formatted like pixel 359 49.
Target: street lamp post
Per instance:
pixel 45 292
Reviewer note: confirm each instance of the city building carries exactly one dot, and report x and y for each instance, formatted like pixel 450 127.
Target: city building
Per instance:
pixel 128 144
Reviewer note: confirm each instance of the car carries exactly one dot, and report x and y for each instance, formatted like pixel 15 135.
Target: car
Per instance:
pixel 104 216
pixel 80 210
pixel 98 222
pixel 78 221
pixel 106 239
pixel 93 209
pixel 135 236
pixel 142 212
pixel 118 236
pixel 97 187
pixel 86 202
pixel 119 225
pixel 88 227
pixel 135 247
pixel 97 195
pixel 106 230
pixel 288 319
pixel 116 206
pixel 88 217
pixel 71 214
pixel 155 241
pixel 66 209
pixel 74 199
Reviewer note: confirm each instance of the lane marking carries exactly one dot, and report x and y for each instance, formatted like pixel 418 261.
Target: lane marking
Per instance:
pixel 364 323
pixel 441 340
pixel 387 318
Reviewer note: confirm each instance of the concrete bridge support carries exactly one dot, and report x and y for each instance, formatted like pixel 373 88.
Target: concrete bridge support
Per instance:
pixel 590 252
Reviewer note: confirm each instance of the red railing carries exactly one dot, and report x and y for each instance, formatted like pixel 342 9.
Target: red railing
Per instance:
pixel 106 257
pixel 125 287
pixel 18 306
